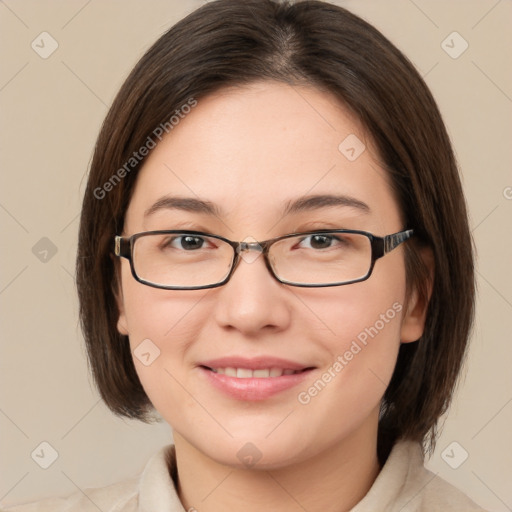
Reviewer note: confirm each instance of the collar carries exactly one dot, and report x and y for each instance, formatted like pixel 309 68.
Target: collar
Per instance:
pixel 158 489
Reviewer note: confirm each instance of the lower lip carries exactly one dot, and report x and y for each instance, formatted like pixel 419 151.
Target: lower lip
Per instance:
pixel 253 388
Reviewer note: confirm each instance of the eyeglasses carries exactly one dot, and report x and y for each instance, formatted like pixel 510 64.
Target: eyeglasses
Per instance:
pixel 192 260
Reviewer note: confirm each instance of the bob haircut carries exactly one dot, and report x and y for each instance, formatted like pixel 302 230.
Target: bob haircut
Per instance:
pixel 231 43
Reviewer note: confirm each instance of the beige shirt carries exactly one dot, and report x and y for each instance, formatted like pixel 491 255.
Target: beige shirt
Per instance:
pixel 403 485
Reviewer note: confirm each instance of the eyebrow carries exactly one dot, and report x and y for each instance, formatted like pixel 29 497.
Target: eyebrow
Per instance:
pixel 188 204
pixel 301 204
pixel 318 201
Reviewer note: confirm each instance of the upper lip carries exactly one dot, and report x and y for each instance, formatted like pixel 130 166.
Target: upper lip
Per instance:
pixel 255 363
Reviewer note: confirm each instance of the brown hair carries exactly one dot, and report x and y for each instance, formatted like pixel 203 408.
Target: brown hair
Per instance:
pixel 226 43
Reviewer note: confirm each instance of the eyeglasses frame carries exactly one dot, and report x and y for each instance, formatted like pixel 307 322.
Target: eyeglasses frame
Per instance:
pixel 380 246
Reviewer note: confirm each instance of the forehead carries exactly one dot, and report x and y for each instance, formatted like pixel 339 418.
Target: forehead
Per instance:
pixel 252 150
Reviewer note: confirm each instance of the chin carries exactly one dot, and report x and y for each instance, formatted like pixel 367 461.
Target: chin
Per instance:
pixel 259 454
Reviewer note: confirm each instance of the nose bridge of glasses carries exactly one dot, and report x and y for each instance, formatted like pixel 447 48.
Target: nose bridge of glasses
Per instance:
pixel 247 246
pixel 250 250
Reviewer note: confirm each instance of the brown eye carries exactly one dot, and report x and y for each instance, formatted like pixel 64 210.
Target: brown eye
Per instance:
pixel 321 241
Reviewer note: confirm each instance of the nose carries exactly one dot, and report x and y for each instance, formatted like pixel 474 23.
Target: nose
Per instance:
pixel 253 300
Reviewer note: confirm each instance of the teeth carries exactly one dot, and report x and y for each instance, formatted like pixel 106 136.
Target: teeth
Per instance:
pixel 265 372
pixel 245 373
pixel 230 372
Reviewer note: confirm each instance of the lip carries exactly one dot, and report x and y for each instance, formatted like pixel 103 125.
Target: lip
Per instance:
pixel 253 389
pixel 255 363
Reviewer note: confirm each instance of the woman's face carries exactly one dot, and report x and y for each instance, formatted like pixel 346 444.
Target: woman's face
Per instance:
pixel 251 151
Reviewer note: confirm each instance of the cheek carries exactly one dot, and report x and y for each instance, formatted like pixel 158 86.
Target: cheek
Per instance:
pixel 368 310
pixel 365 334
pixel 162 325
pixel 370 347
pixel 364 321
pixel 155 313
pixel 354 378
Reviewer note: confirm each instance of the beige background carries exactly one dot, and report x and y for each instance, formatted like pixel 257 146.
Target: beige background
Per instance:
pixel 51 113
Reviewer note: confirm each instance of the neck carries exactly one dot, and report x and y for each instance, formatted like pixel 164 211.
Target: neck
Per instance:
pixel 331 481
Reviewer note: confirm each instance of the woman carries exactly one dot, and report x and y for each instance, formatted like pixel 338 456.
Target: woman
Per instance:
pixel 264 260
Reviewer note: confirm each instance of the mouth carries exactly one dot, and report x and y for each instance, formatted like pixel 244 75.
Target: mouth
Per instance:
pixel 260 373
pixel 254 384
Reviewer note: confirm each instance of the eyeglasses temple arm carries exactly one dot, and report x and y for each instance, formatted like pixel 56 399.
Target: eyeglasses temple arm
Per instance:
pixel 394 240
pixel 122 247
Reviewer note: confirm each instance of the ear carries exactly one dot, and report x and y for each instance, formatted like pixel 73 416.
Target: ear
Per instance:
pixel 122 324
pixel 413 321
